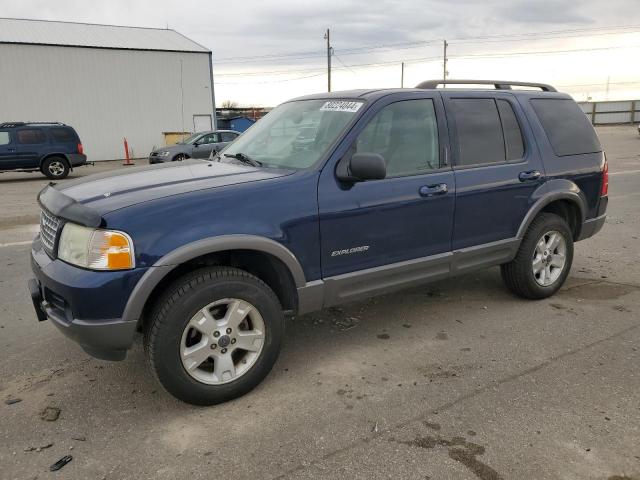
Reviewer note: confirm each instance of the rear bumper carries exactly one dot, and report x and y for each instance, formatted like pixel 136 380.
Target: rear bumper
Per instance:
pixel 74 300
pixel 77 159
pixel 592 226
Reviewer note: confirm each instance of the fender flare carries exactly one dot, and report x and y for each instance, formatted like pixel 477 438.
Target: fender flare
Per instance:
pixel 154 275
pixel 573 195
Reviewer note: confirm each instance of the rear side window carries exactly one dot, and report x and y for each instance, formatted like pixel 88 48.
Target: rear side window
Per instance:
pixel 228 136
pixel 62 134
pixel 30 136
pixel 513 143
pixel 566 126
pixel 5 139
pixel 480 138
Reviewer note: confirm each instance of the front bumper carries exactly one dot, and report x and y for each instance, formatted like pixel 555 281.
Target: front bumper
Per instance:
pixel 85 306
pixel 158 159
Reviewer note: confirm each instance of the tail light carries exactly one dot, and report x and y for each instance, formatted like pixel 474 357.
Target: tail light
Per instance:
pixel 604 190
pixel 80 149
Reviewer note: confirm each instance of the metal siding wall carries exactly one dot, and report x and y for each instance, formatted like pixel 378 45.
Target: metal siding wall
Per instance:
pixel 105 94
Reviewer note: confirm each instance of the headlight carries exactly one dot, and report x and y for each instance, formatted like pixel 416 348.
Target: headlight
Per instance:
pixel 95 249
pixel 163 154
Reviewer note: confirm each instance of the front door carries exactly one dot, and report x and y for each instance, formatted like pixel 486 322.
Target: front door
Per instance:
pixel 207 144
pixel 395 223
pixel 8 154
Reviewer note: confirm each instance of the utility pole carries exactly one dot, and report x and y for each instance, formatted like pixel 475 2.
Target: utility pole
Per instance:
pixel 444 64
pixel 402 75
pixel 328 39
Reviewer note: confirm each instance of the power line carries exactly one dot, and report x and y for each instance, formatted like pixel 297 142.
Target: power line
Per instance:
pixel 271 81
pixel 417 44
pixel 541 52
pixel 425 59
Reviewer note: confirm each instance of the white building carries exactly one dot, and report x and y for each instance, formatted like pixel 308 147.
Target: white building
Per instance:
pixel 108 82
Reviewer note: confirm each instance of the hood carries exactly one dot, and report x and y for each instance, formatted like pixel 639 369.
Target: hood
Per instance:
pixel 110 191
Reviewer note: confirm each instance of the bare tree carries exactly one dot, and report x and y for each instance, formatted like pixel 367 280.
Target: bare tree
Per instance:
pixel 229 104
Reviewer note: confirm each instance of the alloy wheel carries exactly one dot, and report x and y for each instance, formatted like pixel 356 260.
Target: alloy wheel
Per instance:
pixel 549 258
pixel 222 341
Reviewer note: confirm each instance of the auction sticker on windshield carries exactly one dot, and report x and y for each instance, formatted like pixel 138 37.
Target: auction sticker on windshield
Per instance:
pixel 341 106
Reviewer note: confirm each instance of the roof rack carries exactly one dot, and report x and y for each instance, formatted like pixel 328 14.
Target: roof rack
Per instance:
pixel 498 84
pixel 22 124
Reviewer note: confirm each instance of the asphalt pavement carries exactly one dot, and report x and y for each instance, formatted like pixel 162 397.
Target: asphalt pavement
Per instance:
pixel 453 380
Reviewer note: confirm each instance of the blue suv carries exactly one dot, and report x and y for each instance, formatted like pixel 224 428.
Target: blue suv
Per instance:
pixel 51 148
pixel 390 189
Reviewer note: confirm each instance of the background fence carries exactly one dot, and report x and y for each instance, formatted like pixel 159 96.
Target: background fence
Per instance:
pixel 610 113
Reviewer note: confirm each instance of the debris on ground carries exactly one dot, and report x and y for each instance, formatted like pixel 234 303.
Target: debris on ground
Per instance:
pixel 347 323
pixel 11 401
pixel 38 449
pixel 60 463
pixel 79 439
pixel 50 414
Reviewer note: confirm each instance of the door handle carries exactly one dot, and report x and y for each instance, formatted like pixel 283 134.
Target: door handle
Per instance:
pixel 11 149
pixel 431 190
pixel 528 176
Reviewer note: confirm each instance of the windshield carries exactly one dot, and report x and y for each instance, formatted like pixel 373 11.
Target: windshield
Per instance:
pixel 191 139
pixel 295 134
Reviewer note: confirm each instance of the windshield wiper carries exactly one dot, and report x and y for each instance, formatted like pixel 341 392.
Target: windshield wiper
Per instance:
pixel 244 158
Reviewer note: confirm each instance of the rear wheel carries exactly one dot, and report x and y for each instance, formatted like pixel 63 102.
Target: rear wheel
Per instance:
pixel 55 168
pixel 544 258
pixel 214 335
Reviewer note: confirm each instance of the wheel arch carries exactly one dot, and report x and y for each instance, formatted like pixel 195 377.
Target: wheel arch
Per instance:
pixel 55 154
pixel 563 198
pixel 269 260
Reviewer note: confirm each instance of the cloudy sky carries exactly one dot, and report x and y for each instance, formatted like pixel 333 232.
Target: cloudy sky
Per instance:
pixel 267 51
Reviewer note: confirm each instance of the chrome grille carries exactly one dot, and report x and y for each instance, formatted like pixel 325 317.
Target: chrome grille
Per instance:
pixel 49 225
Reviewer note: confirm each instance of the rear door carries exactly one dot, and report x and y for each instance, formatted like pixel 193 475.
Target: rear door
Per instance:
pixel 8 154
pixel 30 143
pixel 496 163
pixel 226 138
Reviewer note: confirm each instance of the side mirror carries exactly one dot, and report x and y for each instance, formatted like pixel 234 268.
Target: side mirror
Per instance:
pixel 363 166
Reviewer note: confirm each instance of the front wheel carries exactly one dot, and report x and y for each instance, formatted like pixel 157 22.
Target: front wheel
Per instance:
pixel 544 259
pixel 55 168
pixel 214 335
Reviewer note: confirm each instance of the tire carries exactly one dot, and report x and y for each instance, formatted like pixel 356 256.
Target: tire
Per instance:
pixel 55 168
pixel 180 157
pixel 533 256
pixel 178 322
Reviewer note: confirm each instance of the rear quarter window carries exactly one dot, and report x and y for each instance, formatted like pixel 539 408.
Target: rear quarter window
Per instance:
pixel 567 127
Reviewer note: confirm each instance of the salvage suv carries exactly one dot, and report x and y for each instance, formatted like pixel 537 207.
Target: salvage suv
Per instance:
pixel 51 148
pixel 396 188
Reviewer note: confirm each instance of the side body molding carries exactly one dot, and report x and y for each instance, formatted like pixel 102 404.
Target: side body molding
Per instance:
pixel 155 274
pixel 558 189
